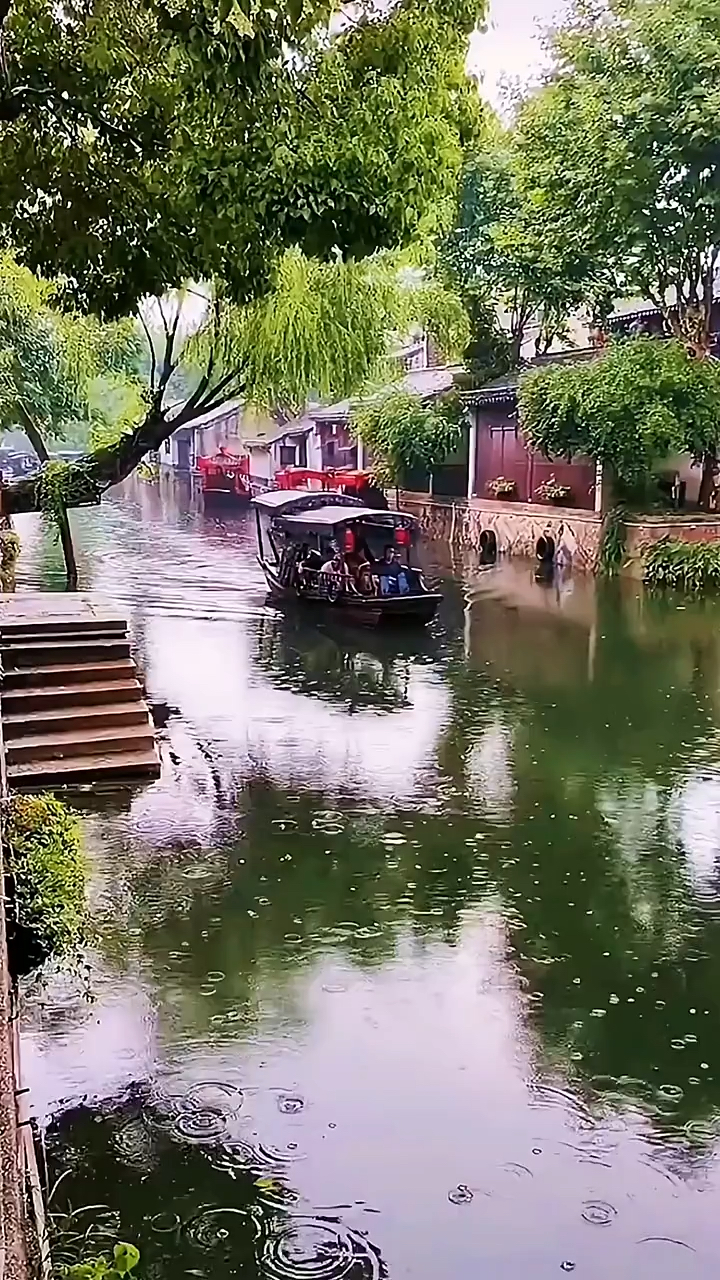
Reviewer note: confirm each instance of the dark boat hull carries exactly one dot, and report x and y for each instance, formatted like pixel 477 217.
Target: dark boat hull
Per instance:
pixel 366 611
pixel 226 498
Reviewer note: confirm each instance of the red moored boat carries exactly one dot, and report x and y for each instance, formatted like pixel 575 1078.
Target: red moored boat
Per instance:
pixel 356 484
pixel 225 477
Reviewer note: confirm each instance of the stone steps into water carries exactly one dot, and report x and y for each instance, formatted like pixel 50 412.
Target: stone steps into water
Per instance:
pixel 72 706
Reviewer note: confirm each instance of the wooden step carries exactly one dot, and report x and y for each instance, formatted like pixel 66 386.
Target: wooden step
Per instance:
pixel 76 769
pixel 44 652
pixel 16 724
pixel 66 744
pixel 68 673
pixel 58 696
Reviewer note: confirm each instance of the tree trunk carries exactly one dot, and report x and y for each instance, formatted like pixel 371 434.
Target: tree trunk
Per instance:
pixel 61 517
pixel 707 481
pixel 68 550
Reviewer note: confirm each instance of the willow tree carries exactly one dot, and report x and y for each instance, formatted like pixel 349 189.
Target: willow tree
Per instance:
pixel 145 145
pixel 402 431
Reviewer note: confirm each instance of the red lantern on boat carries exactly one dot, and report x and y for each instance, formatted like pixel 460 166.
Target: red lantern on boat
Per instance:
pixel 402 537
pixel 348 542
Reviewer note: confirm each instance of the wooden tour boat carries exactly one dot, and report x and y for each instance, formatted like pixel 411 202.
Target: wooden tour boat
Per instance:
pixel 225 478
pixel 332 551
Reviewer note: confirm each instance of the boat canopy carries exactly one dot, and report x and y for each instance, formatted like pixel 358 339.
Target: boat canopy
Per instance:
pixel 282 501
pixel 331 516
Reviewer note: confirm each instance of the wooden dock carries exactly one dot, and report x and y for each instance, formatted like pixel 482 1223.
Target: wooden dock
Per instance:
pixel 73 710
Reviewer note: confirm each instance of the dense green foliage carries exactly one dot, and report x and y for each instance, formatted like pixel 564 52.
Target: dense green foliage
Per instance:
pixel 57 367
pixel 401 431
pixel 687 566
pixel 198 140
pixel 125 1258
pixel 642 399
pixel 620 150
pixel 500 250
pixel 46 872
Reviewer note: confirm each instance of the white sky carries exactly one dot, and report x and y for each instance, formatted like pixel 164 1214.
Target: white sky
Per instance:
pixel 510 48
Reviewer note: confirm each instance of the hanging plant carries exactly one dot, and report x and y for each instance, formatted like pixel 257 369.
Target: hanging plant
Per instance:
pixel 9 549
pixel 64 484
pixel 502 487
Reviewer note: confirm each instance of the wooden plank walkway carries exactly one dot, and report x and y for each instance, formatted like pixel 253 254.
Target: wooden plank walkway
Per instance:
pixel 72 707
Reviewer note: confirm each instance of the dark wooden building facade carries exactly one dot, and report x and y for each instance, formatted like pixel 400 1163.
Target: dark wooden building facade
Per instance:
pixel 500 449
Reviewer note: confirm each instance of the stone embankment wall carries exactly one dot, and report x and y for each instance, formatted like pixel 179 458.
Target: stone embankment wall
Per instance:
pixel 517 526
pixel 576 535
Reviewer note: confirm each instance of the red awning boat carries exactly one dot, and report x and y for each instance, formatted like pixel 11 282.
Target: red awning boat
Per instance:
pixel 335 480
pixel 225 477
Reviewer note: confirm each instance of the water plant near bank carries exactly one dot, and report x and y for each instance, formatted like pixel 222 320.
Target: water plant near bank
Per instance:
pixel 684 566
pixel 124 1259
pixel 612 541
pixel 45 880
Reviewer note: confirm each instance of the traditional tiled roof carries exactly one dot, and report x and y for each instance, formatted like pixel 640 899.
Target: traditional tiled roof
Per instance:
pixel 422 382
pixel 504 390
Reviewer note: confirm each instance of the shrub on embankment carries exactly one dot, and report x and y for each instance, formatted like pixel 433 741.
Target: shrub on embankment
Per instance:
pixel 685 566
pixel 45 879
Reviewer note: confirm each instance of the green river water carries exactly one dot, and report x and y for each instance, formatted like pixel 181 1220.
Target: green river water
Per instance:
pixel 409 964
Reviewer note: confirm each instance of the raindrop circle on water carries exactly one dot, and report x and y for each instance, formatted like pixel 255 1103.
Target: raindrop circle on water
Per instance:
pixel 671 1092
pixel 202 1124
pixel 290 1104
pixel 598 1212
pixel 226 1099
pixel 164 1223
pixel 274 1156
pixel 212 1227
pixel 460 1194
pixel 318 1249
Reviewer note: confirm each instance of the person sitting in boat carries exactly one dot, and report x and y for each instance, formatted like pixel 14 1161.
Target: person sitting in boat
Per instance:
pixel 393 575
pixel 309 565
pixel 334 574
pixel 358 563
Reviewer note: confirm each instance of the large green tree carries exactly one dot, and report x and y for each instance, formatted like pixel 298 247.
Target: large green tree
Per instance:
pixel 143 145
pixel 642 399
pixel 620 149
pixel 501 252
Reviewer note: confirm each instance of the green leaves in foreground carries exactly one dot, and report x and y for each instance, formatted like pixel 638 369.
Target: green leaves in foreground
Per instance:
pixel 124 1260
pixel 685 566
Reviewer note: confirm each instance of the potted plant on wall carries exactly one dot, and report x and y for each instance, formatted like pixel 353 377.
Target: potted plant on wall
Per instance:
pixel 503 488
pixel 559 495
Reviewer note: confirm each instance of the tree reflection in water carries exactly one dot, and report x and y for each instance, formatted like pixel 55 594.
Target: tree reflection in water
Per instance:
pixel 200 1195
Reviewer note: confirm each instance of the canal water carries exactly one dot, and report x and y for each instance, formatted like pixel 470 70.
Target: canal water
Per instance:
pixel 409 964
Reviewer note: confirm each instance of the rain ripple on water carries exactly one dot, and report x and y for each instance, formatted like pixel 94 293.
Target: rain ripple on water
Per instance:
pixel 322 1249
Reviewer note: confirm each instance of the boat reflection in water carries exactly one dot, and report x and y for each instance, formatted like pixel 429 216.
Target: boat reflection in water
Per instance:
pixel 330 663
